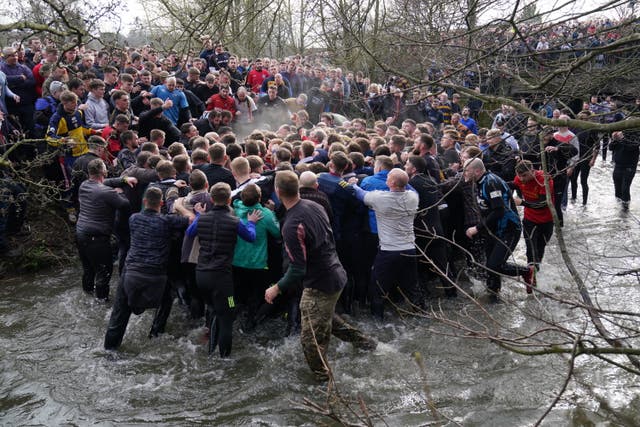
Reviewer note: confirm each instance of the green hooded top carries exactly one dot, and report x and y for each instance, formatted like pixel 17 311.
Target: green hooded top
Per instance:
pixel 254 255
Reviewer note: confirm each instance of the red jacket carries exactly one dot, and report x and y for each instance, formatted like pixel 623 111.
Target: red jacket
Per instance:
pixel 255 79
pixel 534 192
pixel 220 103
pixel 38 78
pixel 113 140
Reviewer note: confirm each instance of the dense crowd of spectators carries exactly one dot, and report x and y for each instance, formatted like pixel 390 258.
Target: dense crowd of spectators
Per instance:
pixel 210 137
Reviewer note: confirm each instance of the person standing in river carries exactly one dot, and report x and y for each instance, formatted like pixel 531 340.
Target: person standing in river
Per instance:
pixel 217 231
pixel 625 147
pixel 99 201
pixel 313 259
pixel 144 277
pixel 500 224
pixel 538 221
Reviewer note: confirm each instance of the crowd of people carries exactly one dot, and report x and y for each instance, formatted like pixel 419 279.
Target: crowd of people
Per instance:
pixel 241 189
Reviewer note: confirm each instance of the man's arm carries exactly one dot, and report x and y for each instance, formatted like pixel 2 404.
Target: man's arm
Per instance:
pixel 247 229
pixel 120 182
pixel 294 237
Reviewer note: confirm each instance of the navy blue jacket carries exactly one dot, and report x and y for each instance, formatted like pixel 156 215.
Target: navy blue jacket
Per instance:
pixel 151 237
pixel 348 212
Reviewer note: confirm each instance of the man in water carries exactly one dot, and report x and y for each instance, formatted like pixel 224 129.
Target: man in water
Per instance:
pixel 500 223
pixel 314 261
pixel 145 273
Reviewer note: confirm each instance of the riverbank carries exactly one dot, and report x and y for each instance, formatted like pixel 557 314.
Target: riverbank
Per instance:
pixel 45 241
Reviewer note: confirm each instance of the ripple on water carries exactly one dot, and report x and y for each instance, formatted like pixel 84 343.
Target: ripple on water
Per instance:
pixel 55 371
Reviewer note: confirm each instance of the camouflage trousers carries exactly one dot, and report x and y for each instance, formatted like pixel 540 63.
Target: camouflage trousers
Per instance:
pixel 318 323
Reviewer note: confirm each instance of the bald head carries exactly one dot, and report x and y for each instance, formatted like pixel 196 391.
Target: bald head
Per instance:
pixel 473 169
pixel 397 180
pixel 308 179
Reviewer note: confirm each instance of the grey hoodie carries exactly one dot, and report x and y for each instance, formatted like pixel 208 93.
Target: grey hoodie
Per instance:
pixel 97 112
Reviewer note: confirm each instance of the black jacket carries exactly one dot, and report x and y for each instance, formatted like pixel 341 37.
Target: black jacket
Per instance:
pixel 98 206
pixel 149 121
pixel 626 151
pixel 501 161
pixel 217 233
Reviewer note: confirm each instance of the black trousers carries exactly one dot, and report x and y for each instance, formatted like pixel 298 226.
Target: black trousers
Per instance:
pixel 217 289
pixel 581 171
pixel 498 250
pixel 120 314
pixel 349 251
pixel 536 237
pixel 162 313
pixel 97 263
pixel 121 311
pixel 249 285
pixel 24 111
pixel 622 179
pixel 196 303
pixel 391 270
pixel 370 243
pixel 559 189
pixel 437 261
pixel 606 137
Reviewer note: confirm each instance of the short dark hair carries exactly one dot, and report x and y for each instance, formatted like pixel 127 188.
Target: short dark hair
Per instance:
pixel 419 163
pixel 96 168
pixel 126 77
pixel 143 158
pixel 127 136
pixel 381 150
pixel 287 183
pixel 95 84
pixel 153 196
pixel 197 180
pixel 199 155
pixel 186 127
pixel 165 169
pixel 110 69
pixel 250 195
pixel 255 162
pixel 283 155
pixel 524 166
pixel 357 159
pixel 74 83
pixel 233 151
pixel 399 140
pixel 340 161
pixel 154 159
pixel 228 138
pixel 220 193
pixel 427 140
pixel 217 152
pixel 251 148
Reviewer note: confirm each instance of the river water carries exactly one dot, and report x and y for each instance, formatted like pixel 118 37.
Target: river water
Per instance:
pixel 55 371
